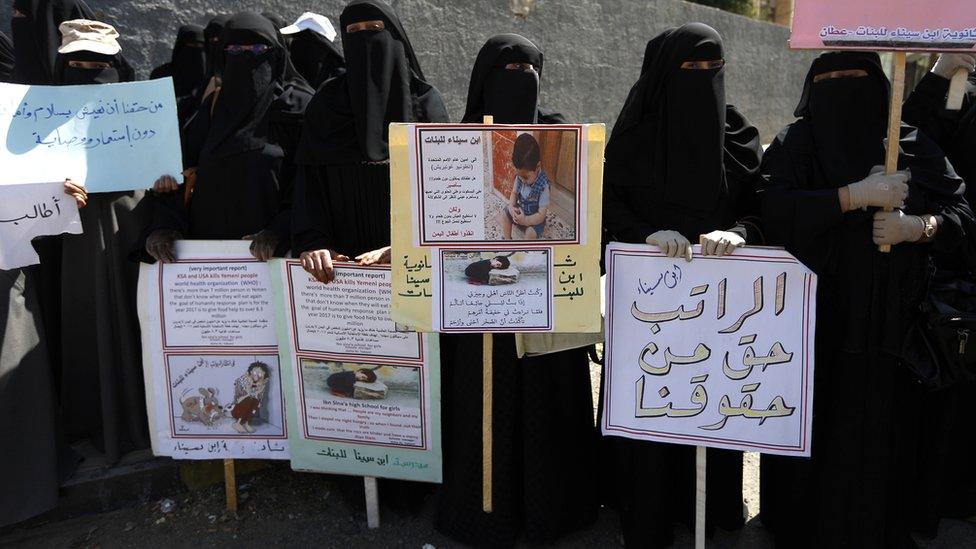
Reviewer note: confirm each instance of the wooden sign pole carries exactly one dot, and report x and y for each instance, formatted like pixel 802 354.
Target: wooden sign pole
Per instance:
pixel 894 120
pixel 230 485
pixel 701 458
pixel 487 384
pixel 372 503
pixel 957 90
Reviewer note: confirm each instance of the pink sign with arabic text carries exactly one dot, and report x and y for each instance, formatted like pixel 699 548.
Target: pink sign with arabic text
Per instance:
pixel 884 25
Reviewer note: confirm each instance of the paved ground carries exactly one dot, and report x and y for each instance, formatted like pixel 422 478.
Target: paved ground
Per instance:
pixel 282 508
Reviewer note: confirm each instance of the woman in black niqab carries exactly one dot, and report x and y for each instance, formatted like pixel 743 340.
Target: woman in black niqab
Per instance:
pixel 543 404
pixel 315 57
pixel 240 142
pixel 37 38
pixel 342 192
pixel 101 386
pixel 946 483
pixel 854 491
pixel 681 162
pixel 188 68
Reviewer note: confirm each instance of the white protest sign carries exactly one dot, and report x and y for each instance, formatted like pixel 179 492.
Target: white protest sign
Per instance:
pixel 29 211
pixel 210 356
pixel 109 137
pixel 717 352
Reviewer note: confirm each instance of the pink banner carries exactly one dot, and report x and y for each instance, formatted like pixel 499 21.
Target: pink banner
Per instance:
pixel 884 25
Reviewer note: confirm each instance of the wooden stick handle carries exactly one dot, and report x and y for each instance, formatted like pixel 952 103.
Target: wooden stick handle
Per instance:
pixel 487 396
pixel 701 462
pixel 230 485
pixel 957 90
pixel 487 382
pixel 372 503
pixel 894 120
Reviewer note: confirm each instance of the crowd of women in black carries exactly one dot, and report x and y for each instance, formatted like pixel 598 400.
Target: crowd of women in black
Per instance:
pixel 285 143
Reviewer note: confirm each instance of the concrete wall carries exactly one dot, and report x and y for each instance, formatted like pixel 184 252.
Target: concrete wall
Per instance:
pixel 593 47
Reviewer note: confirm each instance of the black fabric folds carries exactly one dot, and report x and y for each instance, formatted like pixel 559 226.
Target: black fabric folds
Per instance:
pixel 213 33
pixel 315 57
pixel 37 38
pixel 670 133
pixel 6 58
pixel 383 83
pixel 66 75
pixel 510 96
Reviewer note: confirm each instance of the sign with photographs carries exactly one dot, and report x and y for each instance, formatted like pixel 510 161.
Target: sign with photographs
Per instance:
pixel 214 388
pixel 496 227
pixel 363 397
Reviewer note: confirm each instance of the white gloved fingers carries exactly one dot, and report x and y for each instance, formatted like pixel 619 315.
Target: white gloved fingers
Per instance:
pixel 688 251
pixel 708 245
pixel 722 247
pixel 877 169
pixel 672 247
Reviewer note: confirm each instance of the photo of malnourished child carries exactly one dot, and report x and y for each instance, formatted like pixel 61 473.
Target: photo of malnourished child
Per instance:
pixel 531 193
pixel 223 396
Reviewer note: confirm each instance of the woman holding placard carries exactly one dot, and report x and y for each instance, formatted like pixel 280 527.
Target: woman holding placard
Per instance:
pixel 544 446
pixel 681 163
pixel 822 191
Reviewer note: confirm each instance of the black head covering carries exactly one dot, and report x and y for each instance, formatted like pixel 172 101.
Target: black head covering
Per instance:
pixel 68 76
pixel 213 34
pixel 251 83
pixel 6 58
pixel 848 116
pixel 349 118
pixel 37 38
pixel 315 57
pixel 189 63
pixel 510 96
pixel 671 133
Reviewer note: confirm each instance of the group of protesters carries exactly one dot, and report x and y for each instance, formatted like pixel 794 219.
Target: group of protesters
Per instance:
pixel 285 143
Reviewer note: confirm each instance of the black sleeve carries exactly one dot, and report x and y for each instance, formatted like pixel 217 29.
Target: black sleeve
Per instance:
pixel 743 153
pixel 310 224
pixel 166 211
pixel 925 109
pixel 793 210
pixel 621 222
pixel 287 133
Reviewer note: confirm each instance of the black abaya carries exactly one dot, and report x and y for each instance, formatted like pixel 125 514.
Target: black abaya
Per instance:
pixel 315 57
pixel 946 478
pixel 544 439
pixel 188 68
pixel 681 159
pixel 853 491
pixel 241 147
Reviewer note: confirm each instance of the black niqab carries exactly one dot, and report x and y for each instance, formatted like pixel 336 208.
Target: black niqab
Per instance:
pixel 213 34
pixel 510 96
pixel 37 38
pixel 250 84
pixel 671 132
pixel 383 83
pixel 6 58
pixel 315 57
pixel 189 61
pixel 848 116
pixel 66 75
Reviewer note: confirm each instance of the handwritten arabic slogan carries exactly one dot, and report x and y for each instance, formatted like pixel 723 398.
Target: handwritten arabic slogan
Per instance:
pixel 946 25
pixel 111 137
pixel 32 210
pixel 214 388
pixel 364 398
pixel 717 352
pixel 431 291
pixel 465 179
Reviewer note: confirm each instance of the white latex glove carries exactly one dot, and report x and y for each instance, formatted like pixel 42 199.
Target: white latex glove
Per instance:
pixel 949 63
pixel 721 242
pixel 880 190
pixel 672 243
pixel 896 227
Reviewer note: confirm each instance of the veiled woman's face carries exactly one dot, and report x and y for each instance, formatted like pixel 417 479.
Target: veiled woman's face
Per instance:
pixel 524 67
pixel 703 65
pixel 851 73
pixel 371 25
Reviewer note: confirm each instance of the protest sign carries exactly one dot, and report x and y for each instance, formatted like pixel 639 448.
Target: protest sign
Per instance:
pixel 109 137
pixel 884 25
pixel 484 242
pixel 210 356
pixel 31 210
pixel 362 398
pixel 718 352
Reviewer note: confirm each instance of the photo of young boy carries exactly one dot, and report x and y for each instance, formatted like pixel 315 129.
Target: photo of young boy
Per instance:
pixel 529 201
